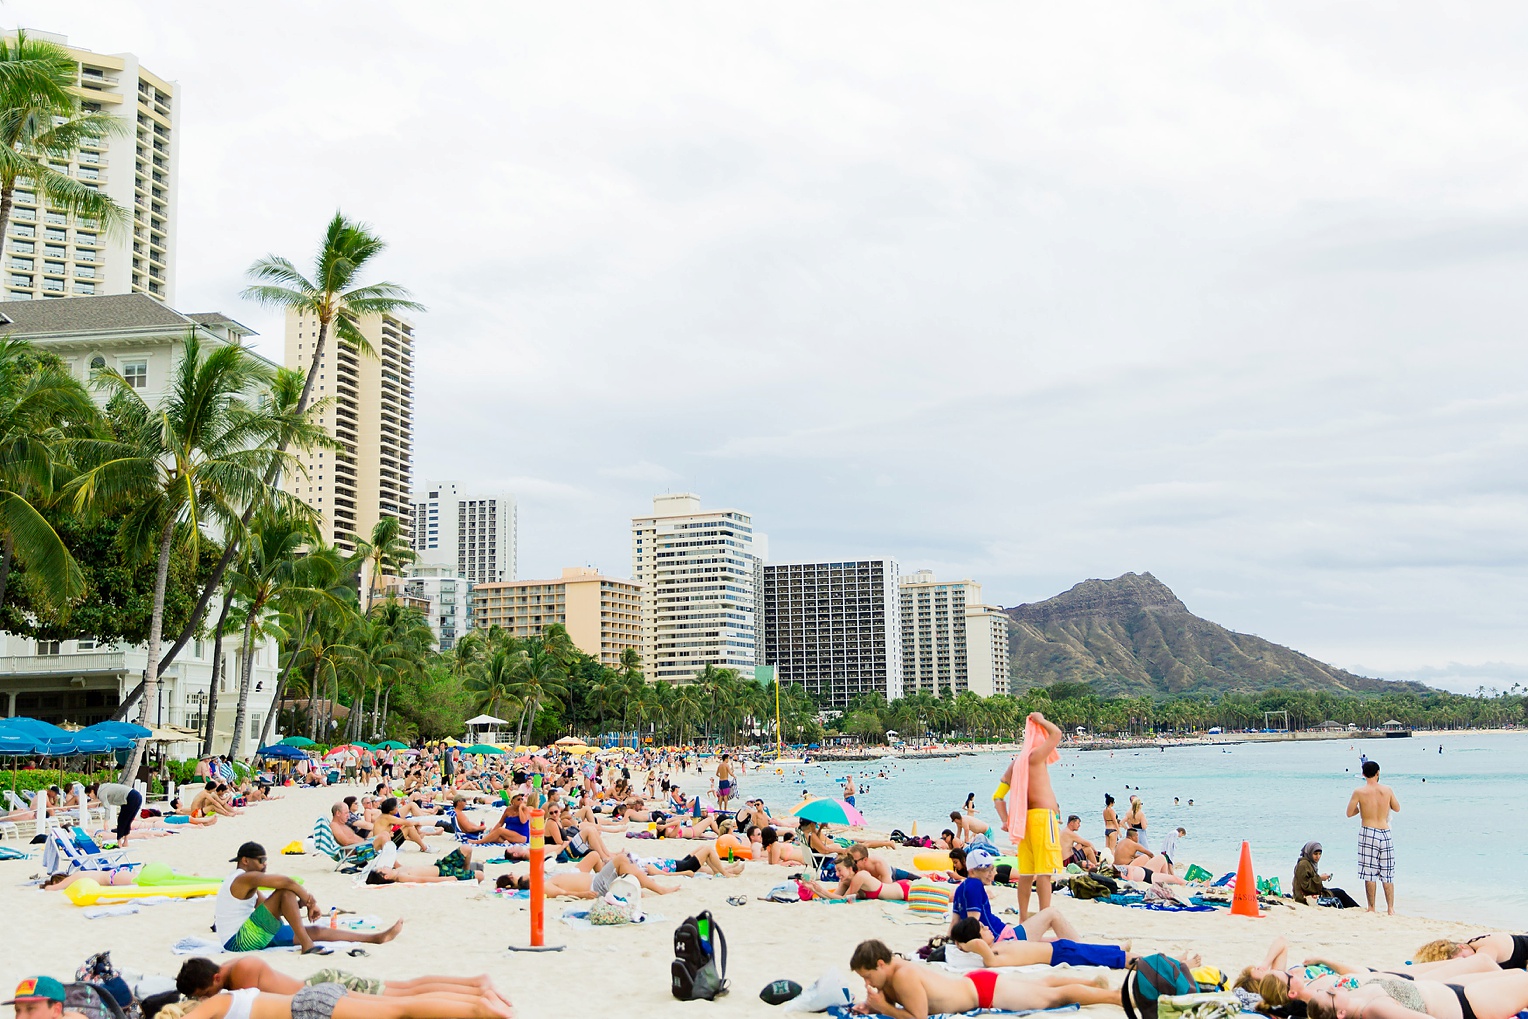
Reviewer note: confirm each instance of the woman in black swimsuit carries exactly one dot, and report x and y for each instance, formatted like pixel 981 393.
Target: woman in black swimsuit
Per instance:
pixel 1498 996
pixel 1509 951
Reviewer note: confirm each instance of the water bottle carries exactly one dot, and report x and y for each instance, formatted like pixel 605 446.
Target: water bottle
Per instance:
pixel 334 917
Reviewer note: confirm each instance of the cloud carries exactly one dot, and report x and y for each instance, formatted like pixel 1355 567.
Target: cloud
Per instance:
pixel 1024 294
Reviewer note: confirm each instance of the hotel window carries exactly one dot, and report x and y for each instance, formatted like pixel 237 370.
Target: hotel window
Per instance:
pixel 86 644
pixel 136 373
pixel 47 648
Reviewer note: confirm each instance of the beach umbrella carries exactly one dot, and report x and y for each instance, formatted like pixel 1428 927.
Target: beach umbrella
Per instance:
pixel 827 811
pixel 483 748
pixel 569 741
pixel 358 744
pixel 392 744
pixel 281 752
pixel 114 738
pixel 299 741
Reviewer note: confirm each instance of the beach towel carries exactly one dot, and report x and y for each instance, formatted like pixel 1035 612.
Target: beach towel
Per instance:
pixel 1018 794
pixel 845 1012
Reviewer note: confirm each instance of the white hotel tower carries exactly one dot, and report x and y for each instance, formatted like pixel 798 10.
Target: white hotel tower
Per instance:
pixel 700 571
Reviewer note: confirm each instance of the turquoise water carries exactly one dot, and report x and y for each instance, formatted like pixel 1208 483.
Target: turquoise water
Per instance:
pixel 1460 834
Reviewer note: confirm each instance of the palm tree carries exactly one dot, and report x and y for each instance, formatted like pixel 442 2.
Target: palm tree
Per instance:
pixel 541 678
pixel 386 551
pixel 41 124
pixel 39 401
pixel 494 682
pixel 202 455
pixel 267 572
pixel 318 588
pixel 331 296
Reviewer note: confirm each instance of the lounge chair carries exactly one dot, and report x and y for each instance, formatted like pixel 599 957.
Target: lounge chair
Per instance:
pixel 77 849
pixel 343 856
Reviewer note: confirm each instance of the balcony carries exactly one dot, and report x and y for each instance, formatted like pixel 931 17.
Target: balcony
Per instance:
pixel 73 665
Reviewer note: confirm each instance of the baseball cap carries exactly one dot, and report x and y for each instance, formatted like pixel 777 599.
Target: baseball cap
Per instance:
pixel 979 857
pixel 248 851
pixel 38 989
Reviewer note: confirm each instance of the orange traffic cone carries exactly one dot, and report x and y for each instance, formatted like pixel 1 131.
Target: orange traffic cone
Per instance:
pixel 1244 901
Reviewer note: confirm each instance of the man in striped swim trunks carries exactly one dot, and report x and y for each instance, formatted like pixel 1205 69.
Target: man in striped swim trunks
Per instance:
pixel 1373 802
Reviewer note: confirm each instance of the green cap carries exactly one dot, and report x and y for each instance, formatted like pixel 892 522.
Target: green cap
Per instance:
pixel 38 989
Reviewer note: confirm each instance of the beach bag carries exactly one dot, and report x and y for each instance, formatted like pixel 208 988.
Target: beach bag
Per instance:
pixel 1151 978
pixel 699 969
pixel 1196 873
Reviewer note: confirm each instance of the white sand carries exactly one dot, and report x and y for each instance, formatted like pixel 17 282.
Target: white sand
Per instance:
pixel 461 929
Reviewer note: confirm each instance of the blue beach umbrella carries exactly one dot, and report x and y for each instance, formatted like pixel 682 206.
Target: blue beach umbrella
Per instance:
pixel 111 738
pixel 281 752
pixel 50 739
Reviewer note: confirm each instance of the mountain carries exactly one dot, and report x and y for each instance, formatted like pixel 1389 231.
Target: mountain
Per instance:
pixel 1131 635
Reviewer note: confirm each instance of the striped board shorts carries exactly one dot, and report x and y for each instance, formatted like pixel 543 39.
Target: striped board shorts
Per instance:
pixel 1376 855
pixel 316 1001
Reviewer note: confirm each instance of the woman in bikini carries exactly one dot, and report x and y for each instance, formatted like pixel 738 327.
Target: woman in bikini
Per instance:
pixel 1276 982
pixel 1498 996
pixel 1111 822
pixel 1509 951
pixel 1136 817
pixel 778 853
pixel 331 1001
pixel 859 884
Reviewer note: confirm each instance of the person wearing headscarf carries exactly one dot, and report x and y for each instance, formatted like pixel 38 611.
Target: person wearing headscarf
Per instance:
pixel 1310 883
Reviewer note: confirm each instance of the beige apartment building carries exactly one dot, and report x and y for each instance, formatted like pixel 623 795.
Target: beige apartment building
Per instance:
pixel 49 254
pixel 603 614
pixel 950 640
pixel 370 410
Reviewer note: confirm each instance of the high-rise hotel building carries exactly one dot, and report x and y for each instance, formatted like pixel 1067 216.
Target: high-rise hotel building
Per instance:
pixel 950 640
pixel 370 410
pixel 472 534
pixel 700 572
pixel 49 254
pixel 835 628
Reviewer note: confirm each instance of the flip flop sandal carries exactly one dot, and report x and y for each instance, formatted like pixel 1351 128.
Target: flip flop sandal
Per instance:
pixel 358 953
pixel 737 900
pixel 318 950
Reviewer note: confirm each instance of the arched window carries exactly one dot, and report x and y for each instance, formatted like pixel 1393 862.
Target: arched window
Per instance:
pixel 97 362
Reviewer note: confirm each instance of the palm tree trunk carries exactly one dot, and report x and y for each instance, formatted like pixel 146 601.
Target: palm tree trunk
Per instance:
pixel 210 728
pixel 214 581
pixel 10 545
pixel 246 669
pixel 386 700
pixel 156 631
pixel 281 682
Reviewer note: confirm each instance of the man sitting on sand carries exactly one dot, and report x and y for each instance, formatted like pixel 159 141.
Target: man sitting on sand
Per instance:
pixel 1137 863
pixel 202 978
pixel 905 990
pixel 247 921
pixel 1075 848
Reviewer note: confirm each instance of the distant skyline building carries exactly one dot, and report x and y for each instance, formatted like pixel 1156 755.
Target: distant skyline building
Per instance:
pixel 450 600
pixel 603 615
pixel 48 254
pixel 834 628
pixel 371 413
pixel 950 640
pixel 474 535
pixel 700 572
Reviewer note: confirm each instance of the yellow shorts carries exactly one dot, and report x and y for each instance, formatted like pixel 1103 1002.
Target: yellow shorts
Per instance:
pixel 1040 852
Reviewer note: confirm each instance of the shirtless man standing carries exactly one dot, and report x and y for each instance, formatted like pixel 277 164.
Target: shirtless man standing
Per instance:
pixel 1039 854
pixel 724 781
pixel 905 990
pixel 1376 852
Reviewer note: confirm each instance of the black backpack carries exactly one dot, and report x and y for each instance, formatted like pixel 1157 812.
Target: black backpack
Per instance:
pixel 699 970
pixel 1155 976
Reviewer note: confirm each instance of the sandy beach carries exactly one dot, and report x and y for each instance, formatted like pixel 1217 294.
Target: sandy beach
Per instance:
pixel 464 929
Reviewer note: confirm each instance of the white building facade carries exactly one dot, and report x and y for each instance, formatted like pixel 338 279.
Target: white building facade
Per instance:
pixel 82 681
pixel 834 627
pixel 48 254
pixel 950 640
pixel 450 598
pixel 473 535
pixel 700 572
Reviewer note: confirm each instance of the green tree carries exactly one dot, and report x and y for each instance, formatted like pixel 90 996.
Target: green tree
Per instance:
pixel 385 551
pixel 41 124
pixel 199 457
pixel 40 402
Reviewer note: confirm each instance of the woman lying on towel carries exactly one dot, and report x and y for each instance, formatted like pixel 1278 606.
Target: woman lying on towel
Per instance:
pixel 1277 983
pixel 858 884
pixel 1509 951
pixel 456 865
pixel 966 945
pixel 904 990
pixel 1495 996
pixel 332 1001
pixel 584 885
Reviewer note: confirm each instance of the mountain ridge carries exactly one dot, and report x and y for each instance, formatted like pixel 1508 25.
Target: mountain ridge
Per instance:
pixel 1133 636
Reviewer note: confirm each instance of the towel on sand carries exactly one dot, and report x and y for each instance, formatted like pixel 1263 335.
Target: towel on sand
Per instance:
pixel 842 1012
pixel 1018 786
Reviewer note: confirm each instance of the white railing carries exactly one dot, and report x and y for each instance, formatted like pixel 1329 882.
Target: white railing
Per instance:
pixel 43 665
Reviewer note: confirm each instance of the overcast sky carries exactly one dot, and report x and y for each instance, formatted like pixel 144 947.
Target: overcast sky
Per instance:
pixel 1025 295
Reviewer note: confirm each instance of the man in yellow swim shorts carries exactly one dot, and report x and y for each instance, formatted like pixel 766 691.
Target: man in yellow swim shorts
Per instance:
pixel 1039 851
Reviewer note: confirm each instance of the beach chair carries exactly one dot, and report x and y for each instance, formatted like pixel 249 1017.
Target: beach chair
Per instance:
pixel 80 852
pixel 343 856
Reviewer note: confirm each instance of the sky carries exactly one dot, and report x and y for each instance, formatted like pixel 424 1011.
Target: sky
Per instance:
pixel 1026 294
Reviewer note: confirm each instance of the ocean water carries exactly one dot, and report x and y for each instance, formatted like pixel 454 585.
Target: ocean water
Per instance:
pixel 1460 835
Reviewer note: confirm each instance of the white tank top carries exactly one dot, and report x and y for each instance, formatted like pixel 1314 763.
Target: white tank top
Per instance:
pixel 228 915
pixel 242 1002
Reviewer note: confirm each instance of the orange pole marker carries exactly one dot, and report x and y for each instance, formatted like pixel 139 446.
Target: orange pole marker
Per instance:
pixel 1244 900
pixel 538 892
